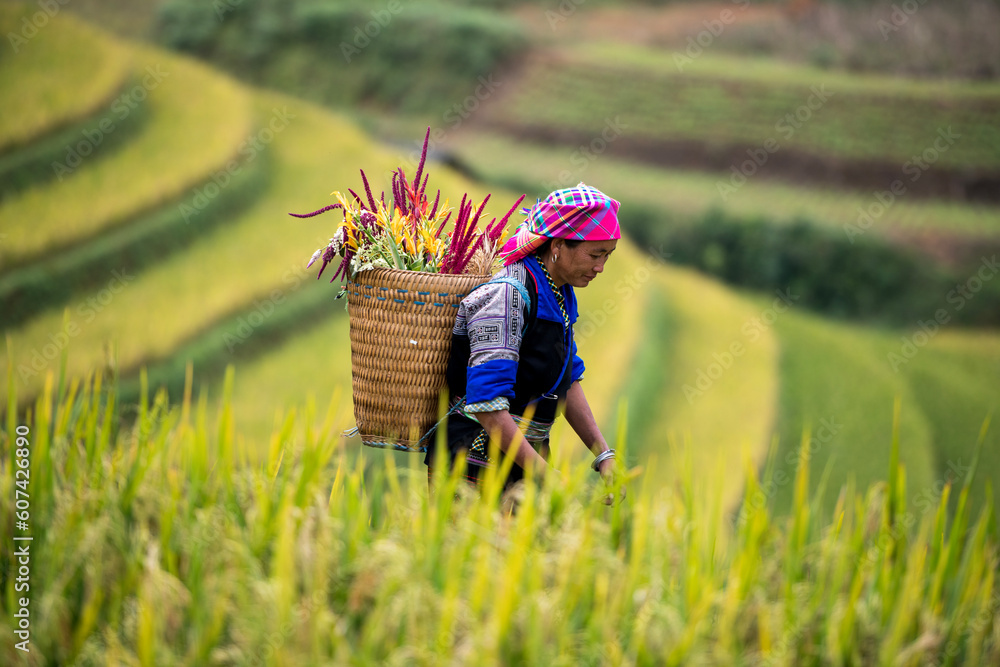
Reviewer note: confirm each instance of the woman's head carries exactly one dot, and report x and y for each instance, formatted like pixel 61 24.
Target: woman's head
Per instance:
pixel 582 215
pixel 575 262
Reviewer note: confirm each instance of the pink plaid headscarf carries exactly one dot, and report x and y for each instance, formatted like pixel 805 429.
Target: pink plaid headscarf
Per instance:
pixel 580 213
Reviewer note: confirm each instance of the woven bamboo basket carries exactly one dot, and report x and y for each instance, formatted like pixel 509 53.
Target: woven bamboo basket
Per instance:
pixel 401 324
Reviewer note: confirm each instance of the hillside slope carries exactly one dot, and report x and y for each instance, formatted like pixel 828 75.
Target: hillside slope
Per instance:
pixel 91 69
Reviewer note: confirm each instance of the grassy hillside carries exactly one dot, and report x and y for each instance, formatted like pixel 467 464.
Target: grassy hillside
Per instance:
pixel 689 194
pixel 89 68
pixel 661 338
pixel 954 383
pixel 718 407
pixel 832 114
pixel 227 269
pixel 198 122
pixel 836 384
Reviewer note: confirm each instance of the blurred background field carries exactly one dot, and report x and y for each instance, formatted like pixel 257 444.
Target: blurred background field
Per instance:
pixel 815 183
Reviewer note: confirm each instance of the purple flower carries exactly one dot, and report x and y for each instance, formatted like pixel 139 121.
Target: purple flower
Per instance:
pixel 322 210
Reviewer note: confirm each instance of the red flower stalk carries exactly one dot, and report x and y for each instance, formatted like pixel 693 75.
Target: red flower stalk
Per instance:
pixel 423 188
pixel 423 158
pixel 357 198
pixel 322 210
pixel 479 212
pixel 328 256
pixel 495 229
pixel 368 191
pixel 463 242
pixel 345 266
pixel 435 208
pixel 398 191
pixel 443 223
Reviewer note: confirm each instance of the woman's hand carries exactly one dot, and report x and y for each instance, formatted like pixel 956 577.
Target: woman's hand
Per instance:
pixel 612 480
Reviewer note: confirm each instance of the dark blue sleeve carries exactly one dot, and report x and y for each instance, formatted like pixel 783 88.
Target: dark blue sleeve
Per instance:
pixel 490 380
pixel 578 366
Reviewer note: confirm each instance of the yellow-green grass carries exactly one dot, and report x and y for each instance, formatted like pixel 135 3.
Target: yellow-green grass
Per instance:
pixel 953 377
pixel 583 89
pixel 718 410
pixel 691 193
pixel 68 70
pixel 836 383
pixel 317 364
pixel 313 366
pixel 257 258
pixel 198 122
pixel 156 544
pixel 772 71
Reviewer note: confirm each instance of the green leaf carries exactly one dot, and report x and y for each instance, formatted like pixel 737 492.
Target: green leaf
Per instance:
pixel 395 254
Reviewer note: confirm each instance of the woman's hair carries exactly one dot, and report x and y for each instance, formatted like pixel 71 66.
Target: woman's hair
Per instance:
pixel 544 248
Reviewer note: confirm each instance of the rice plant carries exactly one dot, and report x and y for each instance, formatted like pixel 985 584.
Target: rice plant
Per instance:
pixel 158 543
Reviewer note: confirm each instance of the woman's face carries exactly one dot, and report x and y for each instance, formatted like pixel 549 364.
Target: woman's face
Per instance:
pixel 579 265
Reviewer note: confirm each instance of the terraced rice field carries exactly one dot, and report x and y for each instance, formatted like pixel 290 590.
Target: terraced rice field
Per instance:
pixel 719 406
pixel 181 145
pixel 689 194
pixel 831 114
pixel 953 382
pixel 658 337
pixel 255 258
pixel 836 383
pixel 90 69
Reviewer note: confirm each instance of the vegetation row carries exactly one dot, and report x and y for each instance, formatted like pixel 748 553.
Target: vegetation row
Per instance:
pixel 898 216
pixel 717 101
pixel 156 543
pixel 177 148
pixel 413 57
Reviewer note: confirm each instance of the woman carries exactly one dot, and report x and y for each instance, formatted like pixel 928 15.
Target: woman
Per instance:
pixel 513 360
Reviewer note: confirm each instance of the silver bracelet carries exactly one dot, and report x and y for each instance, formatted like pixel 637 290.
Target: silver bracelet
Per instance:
pixel 603 456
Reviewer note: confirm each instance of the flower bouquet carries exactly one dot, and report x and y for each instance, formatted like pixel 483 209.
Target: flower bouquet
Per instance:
pixel 406 270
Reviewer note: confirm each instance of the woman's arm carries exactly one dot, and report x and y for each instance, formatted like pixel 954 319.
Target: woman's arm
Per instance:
pixel 580 417
pixel 500 422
